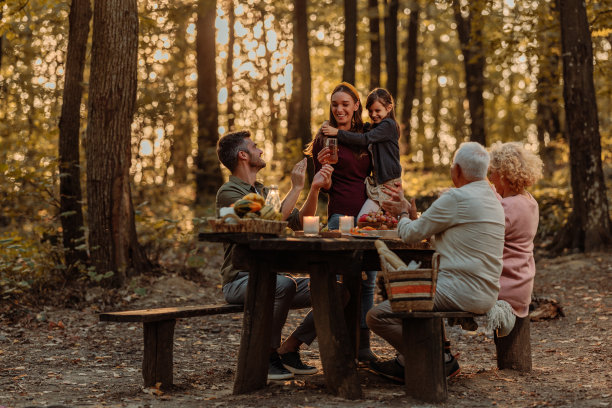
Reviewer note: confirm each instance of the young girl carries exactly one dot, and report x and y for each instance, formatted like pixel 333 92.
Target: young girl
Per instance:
pixel 383 142
pixel 512 169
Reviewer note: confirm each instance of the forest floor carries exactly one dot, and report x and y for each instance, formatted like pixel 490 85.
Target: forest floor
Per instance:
pixel 65 357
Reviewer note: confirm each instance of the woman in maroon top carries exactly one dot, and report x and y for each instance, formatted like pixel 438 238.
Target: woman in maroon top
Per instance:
pixel 347 192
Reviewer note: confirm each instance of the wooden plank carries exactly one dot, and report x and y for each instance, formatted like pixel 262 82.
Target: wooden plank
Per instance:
pixel 157 356
pixel 167 313
pixel 423 353
pixel 254 354
pixel 514 350
pixel 338 360
pixel 428 315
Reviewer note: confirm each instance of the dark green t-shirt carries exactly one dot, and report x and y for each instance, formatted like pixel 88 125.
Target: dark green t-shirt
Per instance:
pixel 227 195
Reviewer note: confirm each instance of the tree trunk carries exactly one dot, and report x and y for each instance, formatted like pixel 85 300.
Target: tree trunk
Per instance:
pixel 301 78
pixel 208 171
pixel 469 29
pixel 71 212
pixel 350 41
pixel 112 97
pixel 411 77
pixel 374 43
pixel 229 65
pixel 548 93
pixel 589 226
pixel 391 46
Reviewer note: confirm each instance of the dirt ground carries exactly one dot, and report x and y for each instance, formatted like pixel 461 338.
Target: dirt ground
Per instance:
pixel 67 358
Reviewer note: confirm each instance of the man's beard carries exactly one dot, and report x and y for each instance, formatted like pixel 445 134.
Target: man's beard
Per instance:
pixel 256 162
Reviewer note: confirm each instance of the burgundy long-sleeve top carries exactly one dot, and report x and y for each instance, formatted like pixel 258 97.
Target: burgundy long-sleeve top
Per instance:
pixel 348 191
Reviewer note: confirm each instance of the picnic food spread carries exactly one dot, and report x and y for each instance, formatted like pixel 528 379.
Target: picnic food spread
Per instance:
pixel 377 220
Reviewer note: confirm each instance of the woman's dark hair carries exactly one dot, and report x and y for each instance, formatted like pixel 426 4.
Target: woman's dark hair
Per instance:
pixel 384 97
pixel 356 120
pixel 229 146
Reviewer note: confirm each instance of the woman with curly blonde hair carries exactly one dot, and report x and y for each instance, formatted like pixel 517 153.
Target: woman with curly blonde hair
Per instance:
pixel 512 169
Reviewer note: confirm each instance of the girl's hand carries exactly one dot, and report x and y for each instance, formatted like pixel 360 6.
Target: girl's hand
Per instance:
pixel 323 156
pixel 322 179
pixel 328 130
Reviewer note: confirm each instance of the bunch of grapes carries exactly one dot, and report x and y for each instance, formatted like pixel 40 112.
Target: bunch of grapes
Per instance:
pixel 386 221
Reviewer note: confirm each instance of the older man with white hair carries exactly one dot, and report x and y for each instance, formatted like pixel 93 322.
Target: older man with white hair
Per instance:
pixel 468 225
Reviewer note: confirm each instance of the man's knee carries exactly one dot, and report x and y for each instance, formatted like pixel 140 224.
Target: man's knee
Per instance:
pixel 285 287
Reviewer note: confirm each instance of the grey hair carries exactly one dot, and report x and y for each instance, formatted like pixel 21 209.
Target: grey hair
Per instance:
pixel 473 160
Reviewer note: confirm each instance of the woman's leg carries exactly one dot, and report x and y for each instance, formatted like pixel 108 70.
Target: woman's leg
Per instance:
pixel 368 288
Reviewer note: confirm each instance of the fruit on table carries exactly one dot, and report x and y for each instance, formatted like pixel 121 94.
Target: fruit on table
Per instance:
pixel 387 221
pixel 255 197
pixel 242 207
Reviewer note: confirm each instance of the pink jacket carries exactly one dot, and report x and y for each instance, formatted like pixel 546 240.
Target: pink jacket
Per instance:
pixel 516 281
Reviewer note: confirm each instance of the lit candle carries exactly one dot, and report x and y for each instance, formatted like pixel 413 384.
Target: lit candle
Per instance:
pixel 346 223
pixel 311 225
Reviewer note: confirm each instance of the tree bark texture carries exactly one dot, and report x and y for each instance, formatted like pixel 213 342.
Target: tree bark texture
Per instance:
pixel 350 41
pixel 411 77
pixel 469 29
pixel 591 221
pixel 71 211
pixel 208 170
pixel 229 65
pixel 548 93
pixel 391 46
pixel 374 43
pixel 299 126
pixel 112 96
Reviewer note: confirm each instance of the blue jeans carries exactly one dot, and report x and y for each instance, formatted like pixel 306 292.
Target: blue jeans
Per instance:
pixel 368 286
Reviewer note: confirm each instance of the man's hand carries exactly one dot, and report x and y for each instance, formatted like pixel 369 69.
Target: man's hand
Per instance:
pixel 329 130
pixel 323 178
pixel 398 203
pixel 298 175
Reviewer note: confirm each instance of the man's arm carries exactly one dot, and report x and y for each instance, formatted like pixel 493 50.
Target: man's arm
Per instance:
pixel 298 177
pixel 228 195
pixel 322 179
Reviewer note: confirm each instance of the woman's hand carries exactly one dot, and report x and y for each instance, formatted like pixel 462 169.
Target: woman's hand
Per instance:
pixel 322 180
pixel 323 156
pixel 298 175
pixel 329 130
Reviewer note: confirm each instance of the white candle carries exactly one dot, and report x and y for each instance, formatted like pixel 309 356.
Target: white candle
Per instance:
pixel 346 223
pixel 311 225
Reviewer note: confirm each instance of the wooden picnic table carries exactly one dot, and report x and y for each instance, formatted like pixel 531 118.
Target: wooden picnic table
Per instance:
pixel 322 259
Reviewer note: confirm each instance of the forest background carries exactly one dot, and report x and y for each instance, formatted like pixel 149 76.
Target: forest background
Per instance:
pixel 109 115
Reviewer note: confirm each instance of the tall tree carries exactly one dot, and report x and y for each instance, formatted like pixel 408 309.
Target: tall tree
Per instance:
pixel 589 225
pixel 112 97
pixel 208 171
pixel 548 93
pixel 300 105
pixel 229 64
pixel 411 76
pixel 469 29
pixel 374 19
pixel 71 212
pixel 391 45
pixel 350 41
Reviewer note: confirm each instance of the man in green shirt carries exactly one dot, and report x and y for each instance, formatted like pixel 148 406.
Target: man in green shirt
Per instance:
pixel 242 157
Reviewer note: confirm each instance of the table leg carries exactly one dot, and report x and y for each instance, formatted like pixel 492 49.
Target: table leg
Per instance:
pixel 352 312
pixel 338 360
pixel 423 354
pixel 254 354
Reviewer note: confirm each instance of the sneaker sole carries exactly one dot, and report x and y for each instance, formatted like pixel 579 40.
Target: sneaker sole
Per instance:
pixel 301 371
pixel 274 377
pixel 453 374
pixel 396 380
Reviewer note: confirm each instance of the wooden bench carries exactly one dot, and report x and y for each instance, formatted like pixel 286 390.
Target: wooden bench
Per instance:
pixel 158 325
pixel 423 337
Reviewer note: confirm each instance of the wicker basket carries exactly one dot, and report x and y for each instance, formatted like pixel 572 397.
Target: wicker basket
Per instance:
pixel 410 290
pixel 231 223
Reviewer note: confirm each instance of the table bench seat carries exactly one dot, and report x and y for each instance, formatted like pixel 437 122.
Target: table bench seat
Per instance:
pixel 423 336
pixel 158 329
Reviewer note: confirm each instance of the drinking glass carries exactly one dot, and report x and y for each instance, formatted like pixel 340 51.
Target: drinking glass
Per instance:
pixel 332 143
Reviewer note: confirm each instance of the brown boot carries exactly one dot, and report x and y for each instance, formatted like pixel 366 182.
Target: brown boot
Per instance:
pixel 365 354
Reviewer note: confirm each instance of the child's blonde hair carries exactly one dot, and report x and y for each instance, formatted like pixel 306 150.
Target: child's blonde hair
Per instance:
pixel 519 167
